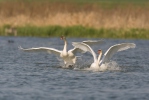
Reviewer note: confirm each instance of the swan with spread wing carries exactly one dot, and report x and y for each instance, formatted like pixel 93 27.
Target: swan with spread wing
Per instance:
pixel 99 65
pixel 67 55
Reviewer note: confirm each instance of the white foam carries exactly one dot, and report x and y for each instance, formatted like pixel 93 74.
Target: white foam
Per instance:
pixel 112 65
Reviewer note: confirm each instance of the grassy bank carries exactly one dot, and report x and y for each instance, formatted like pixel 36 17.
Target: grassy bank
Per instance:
pixel 80 31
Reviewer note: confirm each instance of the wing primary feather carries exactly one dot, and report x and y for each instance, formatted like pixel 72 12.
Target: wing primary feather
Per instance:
pixel 93 42
pixel 116 48
pixel 41 49
pixel 85 48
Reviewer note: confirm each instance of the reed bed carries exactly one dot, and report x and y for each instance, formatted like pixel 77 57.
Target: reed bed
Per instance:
pixel 46 13
pixel 35 17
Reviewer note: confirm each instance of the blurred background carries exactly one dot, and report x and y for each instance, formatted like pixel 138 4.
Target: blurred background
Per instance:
pixel 75 18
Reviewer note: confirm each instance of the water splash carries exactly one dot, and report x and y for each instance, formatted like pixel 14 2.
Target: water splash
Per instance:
pixel 112 65
pixel 82 63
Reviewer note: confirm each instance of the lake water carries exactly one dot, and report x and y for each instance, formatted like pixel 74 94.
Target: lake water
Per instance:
pixel 37 76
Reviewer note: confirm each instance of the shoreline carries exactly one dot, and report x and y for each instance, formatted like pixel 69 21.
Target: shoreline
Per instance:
pixel 78 31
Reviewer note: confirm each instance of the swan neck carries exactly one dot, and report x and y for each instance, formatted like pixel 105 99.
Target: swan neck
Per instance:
pixel 99 57
pixel 65 45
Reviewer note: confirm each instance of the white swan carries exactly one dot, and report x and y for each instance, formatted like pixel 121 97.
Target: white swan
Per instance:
pixel 99 65
pixel 68 56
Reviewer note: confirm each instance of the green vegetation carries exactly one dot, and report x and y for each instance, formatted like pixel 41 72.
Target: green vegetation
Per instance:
pixel 76 18
pixel 84 0
pixel 79 31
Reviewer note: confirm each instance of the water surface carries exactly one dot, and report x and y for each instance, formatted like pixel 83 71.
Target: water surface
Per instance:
pixel 37 76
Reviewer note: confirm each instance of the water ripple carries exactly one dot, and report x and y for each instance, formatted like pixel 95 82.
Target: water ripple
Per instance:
pixel 39 76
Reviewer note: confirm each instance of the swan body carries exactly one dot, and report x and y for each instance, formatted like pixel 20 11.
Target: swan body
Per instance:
pixel 100 65
pixel 68 57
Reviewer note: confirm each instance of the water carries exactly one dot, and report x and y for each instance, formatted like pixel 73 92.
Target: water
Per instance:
pixel 37 76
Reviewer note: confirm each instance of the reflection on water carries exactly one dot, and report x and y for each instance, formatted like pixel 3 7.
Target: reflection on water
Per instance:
pixel 33 76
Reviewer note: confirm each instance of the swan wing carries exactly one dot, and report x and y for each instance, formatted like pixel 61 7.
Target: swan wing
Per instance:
pixel 116 48
pixel 42 49
pixel 76 50
pixel 93 42
pixel 85 48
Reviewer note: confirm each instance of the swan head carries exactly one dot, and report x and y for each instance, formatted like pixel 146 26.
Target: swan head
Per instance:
pixel 99 51
pixel 62 37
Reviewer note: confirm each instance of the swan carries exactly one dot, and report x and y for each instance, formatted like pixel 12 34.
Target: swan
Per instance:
pixel 68 57
pixel 99 65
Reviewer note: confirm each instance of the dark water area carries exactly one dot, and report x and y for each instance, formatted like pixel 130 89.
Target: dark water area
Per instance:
pixel 37 76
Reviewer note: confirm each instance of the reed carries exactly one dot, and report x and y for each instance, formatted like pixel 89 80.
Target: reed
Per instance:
pixel 91 14
pixel 85 18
